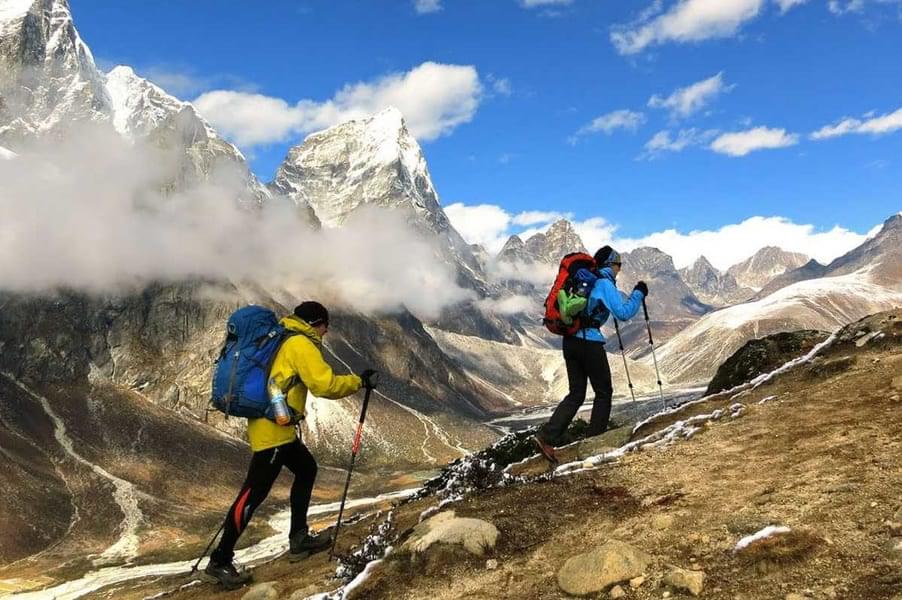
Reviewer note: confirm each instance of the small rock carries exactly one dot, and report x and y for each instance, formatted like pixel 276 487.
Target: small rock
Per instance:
pixel 475 535
pixel 636 582
pixel 794 597
pixel 593 571
pixel 617 592
pixel 665 595
pixel 491 564
pixel 706 539
pixel 873 505
pixel 662 522
pixel 691 581
pixel 262 591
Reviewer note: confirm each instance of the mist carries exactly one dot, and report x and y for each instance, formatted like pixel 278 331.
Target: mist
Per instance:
pixel 96 213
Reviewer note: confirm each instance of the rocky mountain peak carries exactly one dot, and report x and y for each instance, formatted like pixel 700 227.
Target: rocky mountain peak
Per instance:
pixel 140 106
pixel 880 256
pixel 48 78
pixel 650 261
pixel 712 286
pixel 369 161
pixel 767 263
pixel 560 239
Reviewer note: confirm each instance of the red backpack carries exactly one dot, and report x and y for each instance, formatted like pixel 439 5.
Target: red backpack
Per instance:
pixel 566 273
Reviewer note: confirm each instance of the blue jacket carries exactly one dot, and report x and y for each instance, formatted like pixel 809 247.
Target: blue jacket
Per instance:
pixel 605 300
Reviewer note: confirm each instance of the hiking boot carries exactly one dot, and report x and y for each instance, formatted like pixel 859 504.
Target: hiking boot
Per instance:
pixel 303 544
pixel 227 575
pixel 545 449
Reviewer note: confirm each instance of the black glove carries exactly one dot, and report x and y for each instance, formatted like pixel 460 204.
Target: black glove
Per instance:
pixel 642 287
pixel 370 378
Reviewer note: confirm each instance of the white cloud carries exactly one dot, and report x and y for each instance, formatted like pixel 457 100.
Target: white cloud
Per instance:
pixel 535 217
pixel 500 85
pixel 841 7
pixel 740 143
pixel 485 224
pixel 685 21
pixel 510 305
pixel 434 99
pixel 733 243
pixel 538 3
pixel 881 125
pixel 424 7
pixel 787 5
pixel 664 141
pixel 122 231
pixel 692 98
pixel 610 122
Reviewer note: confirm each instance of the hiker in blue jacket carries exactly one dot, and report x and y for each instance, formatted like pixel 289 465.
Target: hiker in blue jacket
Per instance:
pixel 585 356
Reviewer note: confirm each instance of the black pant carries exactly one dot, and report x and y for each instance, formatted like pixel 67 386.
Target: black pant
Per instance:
pixel 265 467
pixel 585 360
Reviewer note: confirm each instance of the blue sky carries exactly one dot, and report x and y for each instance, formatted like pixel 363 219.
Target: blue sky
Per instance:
pixel 703 111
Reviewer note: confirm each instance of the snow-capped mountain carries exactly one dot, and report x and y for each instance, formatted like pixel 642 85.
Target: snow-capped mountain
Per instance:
pixel 559 240
pixel 372 162
pixel 880 256
pixel 141 110
pixel 764 265
pixel 48 79
pixel 713 287
pixel 866 280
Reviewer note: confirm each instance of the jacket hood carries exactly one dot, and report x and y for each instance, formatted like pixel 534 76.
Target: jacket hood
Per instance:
pixel 608 272
pixel 298 325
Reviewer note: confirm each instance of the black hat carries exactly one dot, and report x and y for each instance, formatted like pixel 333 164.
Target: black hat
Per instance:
pixel 312 312
pixel 602 255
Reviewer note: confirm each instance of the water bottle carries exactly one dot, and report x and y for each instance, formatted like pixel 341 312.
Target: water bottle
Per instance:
pixel 280 411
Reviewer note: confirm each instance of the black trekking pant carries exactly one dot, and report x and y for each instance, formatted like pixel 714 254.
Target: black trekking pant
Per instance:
pixel 265 467
pixel 585 359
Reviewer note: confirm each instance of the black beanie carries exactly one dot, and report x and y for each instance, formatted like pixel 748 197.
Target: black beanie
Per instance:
pixel 601 256
pixel 312 312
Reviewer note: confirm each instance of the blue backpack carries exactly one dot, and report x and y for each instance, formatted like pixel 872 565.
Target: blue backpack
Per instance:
pixel 242 370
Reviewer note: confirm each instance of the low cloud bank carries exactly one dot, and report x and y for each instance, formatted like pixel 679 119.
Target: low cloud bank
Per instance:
pixel 94 213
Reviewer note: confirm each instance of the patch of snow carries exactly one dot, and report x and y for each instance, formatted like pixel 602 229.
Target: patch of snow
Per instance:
pixel 766 399
pixel 765 533
pixel 6 154
pixel 11 11
pixel 867 338
pixel 265 550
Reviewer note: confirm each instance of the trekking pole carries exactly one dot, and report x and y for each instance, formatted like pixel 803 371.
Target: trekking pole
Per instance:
pixel 651 342
pixel 623 355
pixel 210 545
pixel 354 449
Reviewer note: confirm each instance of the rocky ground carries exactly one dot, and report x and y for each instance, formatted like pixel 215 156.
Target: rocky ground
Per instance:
pixel 815 451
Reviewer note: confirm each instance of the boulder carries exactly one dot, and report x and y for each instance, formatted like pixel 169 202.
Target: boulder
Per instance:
pixel 690 581
pixel 608 564
pixel 262 591
pixel 617 592
pixel 474 535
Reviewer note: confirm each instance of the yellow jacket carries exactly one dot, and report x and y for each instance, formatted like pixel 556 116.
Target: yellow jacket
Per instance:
pixel 299 362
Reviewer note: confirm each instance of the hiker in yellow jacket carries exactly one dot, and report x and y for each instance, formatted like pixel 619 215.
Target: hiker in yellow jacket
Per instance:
pixel 298 367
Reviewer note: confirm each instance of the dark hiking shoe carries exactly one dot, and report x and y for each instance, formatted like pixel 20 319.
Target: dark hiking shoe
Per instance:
pixel 545 449
pixel 303 545
pixel 227 575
